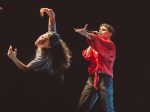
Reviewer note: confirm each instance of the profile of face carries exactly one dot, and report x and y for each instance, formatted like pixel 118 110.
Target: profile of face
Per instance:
pixel 43 41
pixel 104 30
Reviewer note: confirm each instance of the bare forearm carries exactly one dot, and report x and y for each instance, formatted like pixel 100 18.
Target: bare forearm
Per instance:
pixel 20 65
pixel 52 24
pixel 88 51
pixel 87 35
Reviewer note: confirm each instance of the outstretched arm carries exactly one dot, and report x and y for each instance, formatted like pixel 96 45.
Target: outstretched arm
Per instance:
pixel 12 55
pixel 83 31
pixel 52 22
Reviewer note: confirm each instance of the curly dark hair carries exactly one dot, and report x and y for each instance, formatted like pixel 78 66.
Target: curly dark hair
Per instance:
pixel 59 53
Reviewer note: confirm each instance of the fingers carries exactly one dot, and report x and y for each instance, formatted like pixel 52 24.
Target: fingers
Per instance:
pixel 75 29
pixel 10 48
pixel 85 27
pixel 42 12
pixel 15 51
pixel 48 11
pixel 11 54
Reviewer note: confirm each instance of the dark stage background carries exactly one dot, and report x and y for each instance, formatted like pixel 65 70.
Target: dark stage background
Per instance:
pixel 21 24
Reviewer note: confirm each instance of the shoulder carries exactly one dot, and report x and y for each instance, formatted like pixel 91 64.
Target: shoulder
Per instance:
pixel 111 45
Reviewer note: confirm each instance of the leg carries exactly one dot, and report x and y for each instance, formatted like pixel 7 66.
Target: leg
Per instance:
pixel 106 94
pixel 88 97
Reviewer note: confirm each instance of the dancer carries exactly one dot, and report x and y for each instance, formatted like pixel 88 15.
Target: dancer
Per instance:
pixel 101 53
pixel 52 59
pixel 52 55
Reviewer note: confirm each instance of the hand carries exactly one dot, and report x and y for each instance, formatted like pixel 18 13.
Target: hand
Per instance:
pixel 82 31
pixel 12 54
pixel 49 12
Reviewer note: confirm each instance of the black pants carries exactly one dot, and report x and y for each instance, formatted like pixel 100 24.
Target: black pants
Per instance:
pixel 104 95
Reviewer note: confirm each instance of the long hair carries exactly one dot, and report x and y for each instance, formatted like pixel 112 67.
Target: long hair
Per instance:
pixel 59 53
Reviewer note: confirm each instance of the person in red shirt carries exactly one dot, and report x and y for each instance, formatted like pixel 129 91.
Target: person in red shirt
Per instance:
pixel 101 53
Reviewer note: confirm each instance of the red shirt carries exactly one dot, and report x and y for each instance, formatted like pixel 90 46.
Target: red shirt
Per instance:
pixel 101 57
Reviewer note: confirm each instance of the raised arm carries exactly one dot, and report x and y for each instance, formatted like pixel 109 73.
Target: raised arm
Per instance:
pixel 12 55
pixel 52 22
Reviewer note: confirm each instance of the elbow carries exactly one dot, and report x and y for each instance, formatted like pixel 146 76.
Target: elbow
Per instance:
pixel 24 69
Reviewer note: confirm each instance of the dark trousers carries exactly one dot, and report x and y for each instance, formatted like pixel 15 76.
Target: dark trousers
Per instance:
pixel 104 95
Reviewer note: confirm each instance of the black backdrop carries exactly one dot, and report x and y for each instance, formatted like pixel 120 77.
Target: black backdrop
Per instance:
pixel 21 24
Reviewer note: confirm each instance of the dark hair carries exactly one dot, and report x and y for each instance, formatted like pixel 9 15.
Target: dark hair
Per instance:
pixel 59 52
pixel 109 27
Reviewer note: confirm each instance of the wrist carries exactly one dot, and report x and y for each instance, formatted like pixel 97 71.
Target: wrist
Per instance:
pixel 86 34
pixel 13 58
pixel 52 18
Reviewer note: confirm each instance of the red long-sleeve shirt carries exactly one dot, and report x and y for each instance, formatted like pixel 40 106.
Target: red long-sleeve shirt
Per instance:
pixel 102 56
